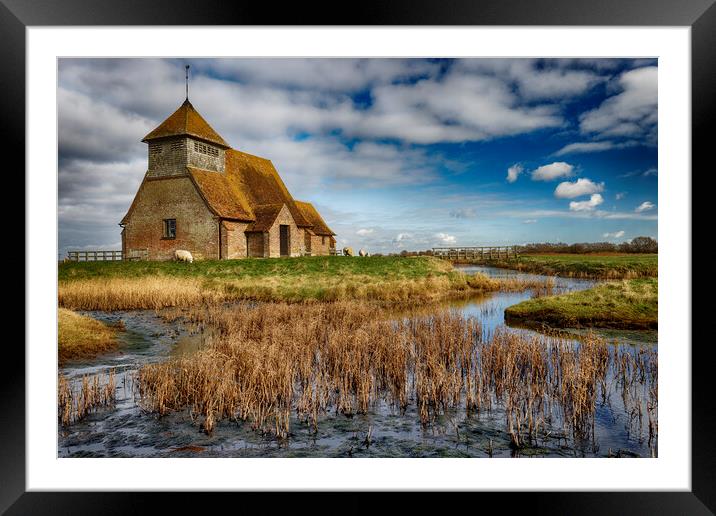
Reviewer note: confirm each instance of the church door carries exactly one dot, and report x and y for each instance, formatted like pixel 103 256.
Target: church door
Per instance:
pixel 284 240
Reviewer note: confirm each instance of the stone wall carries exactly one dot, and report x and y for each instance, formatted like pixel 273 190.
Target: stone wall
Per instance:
pixel 205 156
pixel 170 157
pixel 295 237
pixel 320 245
pixel 167 157
pixel 233 240
pixel 197 230
pixel 255 241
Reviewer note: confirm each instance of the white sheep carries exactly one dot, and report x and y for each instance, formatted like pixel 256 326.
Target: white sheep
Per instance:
pixel 183 256
pixel 362 252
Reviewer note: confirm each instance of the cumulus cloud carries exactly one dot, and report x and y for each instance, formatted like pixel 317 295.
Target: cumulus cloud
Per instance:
pixel 616 234
pixel 645 206
pixel 594 201
pixel 445 238
pixel 364 232
pixel 620 195
pixel 552 171
pixel 630 113
pixel 582 186
pixel 537 79
pixel 514 172
pixel 320 74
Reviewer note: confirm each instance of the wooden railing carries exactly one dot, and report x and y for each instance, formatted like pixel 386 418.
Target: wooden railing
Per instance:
pixel 503 252
pixel 94 256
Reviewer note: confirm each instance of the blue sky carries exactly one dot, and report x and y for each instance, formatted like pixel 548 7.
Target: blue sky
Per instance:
pixel 395 153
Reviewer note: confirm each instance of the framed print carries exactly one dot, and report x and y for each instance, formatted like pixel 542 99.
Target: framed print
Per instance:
pixel 419 252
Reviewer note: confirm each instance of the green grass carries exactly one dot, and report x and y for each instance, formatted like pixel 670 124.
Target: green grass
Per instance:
pixel 617 266
pixel 626 304
pixel 153 285
pixel 383 267
pixel 81 336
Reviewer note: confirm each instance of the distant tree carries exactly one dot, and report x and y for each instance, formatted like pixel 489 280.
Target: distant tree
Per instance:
pixel 644 244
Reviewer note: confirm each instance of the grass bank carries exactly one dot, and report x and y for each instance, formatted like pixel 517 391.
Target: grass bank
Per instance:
pixel 597 266
pixel 154 285
pixel 627 304
pixel 80 336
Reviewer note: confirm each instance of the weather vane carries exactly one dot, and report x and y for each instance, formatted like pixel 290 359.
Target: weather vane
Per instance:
pixel 186 68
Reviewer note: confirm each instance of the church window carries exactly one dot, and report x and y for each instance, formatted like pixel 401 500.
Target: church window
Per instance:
pixel 170 228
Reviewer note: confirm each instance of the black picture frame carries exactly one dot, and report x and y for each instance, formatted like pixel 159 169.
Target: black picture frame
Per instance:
pixel 700 15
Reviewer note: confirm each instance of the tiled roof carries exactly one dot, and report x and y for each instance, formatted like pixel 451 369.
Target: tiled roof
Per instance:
pixel 186 121
pixel 223 198
pixel 312 215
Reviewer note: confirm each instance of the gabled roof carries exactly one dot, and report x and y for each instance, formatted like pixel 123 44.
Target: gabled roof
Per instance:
pixel 259 181
pixel 265 216
pixel 312 215
pixel 186 121
pixel 222 197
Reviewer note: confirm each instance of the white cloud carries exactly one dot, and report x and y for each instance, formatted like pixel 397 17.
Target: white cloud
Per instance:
pixel 529 221
pixel 631 113
pixel 582 186
pixel 364 232
pixel 620 195
pixel 651 172
pixel 645 206
pixel 584 147
pixel 594 201
pixel 552 171
pixel 616 234
pixel 403 237
pixel 445 238
pixel 514 172
pixel 322 74
pixel 536 79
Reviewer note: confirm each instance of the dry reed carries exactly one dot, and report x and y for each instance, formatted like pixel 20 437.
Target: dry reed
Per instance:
pixel 262 363
pixel 155 292
pixel 76 402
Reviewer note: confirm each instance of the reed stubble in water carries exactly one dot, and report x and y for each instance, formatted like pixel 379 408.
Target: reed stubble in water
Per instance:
pixel 76 402
pixel 262 363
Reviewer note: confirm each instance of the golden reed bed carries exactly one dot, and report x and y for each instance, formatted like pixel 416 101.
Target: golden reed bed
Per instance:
pixel 155 292
pixel 262 363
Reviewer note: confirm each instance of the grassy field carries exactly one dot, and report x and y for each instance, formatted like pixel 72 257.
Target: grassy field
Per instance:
pixel 626 304
pixel 153 285
pixel 81 336
pixel 609 266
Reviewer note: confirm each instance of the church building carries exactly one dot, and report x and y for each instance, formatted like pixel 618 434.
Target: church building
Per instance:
pixel 201 195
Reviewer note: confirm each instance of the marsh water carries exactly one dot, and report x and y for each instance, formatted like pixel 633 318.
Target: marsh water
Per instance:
pixel 124 430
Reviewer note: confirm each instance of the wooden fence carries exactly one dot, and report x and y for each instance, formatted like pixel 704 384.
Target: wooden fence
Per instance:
pixel 94 256
pixel 504 252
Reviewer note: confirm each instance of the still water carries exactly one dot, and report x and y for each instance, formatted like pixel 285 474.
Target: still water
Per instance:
pixel 126 431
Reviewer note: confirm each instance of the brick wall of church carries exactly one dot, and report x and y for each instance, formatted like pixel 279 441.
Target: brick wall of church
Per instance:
pixel 197 230
pixel 296 240
pixel 233 240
